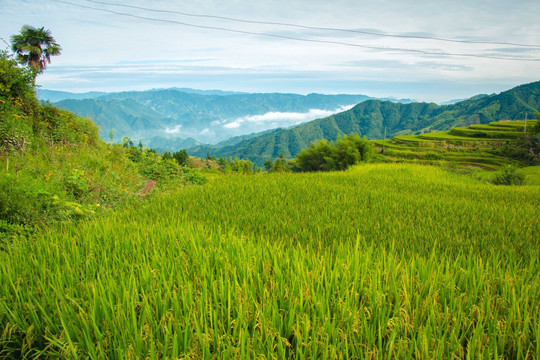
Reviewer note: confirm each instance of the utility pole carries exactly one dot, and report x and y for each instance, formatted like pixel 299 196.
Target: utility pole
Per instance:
pixel 525 128
pixel 384 139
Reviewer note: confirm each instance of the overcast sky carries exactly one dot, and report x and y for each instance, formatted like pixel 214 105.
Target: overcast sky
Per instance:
pixel 104 51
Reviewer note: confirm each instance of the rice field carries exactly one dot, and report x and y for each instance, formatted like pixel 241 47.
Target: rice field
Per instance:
pixel 384 261
pixel 477 146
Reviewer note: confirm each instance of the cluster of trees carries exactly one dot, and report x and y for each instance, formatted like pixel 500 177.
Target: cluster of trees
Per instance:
pixel 279 165
pixel 346 151
pixel 325 155
pixel 181 157
pixel 234 165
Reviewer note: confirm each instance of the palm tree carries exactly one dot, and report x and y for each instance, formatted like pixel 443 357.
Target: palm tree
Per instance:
pixel 34 47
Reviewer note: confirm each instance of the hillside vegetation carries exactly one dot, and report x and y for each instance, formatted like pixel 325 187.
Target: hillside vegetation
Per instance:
pixel 56 168
pixel 381 261
pixel 371 117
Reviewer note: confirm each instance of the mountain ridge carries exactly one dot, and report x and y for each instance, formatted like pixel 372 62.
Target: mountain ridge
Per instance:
pixel 371 117
pixel 170 113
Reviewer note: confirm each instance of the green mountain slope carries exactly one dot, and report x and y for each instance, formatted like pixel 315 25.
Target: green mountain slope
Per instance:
pixel 207 116
pixel 123 117
pixel 370 118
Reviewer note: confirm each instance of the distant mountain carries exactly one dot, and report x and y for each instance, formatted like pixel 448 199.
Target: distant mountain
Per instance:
pixel 370 118
pixel 203 92
pixel 122 117
pixel 162 144
pixel 205 116
pixel 455 101
pixel 54 96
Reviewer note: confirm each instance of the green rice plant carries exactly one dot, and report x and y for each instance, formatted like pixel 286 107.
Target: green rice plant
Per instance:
pixel 381 261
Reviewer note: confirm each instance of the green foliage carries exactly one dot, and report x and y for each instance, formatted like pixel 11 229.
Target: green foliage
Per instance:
pixel 318 157
pixel 24 200
pixel 181 157
pixel 280 165
pixel 152 166
pixel 15 82
pixel 76 183
pixel 63 127
pixel 167 156
pixel 34 48
pixel 241 166
pixel 193 176
pixel 509 176
pixel 18 106
pixel 55 168
pixel 345 152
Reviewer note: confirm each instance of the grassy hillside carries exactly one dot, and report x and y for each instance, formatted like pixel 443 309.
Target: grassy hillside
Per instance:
pixel 55 168
pixel 381 261
pixel 370 118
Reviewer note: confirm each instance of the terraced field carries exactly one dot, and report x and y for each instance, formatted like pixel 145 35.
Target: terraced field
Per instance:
pixel 471 146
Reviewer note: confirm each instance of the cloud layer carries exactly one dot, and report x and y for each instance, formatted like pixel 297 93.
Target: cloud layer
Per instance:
pixel 113 52
pixel 281 119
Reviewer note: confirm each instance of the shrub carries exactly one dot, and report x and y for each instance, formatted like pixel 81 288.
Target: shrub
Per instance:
pixel 327 156
pixel 17 105
pixel 193 176
pixel 509 176
pixel 433 156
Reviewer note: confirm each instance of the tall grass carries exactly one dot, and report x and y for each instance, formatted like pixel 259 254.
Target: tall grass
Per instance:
pixel 382 261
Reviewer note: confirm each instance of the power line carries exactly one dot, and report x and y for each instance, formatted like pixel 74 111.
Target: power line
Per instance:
pixel 364 32
pixel 380 48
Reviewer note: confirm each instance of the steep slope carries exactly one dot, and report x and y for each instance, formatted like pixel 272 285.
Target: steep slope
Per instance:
pixel 371 117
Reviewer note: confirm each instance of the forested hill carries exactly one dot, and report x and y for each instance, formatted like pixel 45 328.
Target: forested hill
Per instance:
pixel 171 114
pixel 370 118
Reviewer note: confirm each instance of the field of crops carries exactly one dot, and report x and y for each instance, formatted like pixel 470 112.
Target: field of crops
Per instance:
pixel 477 146
pixel 381 261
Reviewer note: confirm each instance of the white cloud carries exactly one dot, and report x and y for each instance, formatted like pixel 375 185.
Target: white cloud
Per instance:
pixel 174 130
pixel 276 118
pixel 233 125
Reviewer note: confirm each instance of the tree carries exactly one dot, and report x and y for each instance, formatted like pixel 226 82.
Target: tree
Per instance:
pixel 34 47
pixel 269 165
pixel 181 157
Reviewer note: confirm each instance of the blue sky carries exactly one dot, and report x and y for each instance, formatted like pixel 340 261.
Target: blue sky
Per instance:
pixel 103 51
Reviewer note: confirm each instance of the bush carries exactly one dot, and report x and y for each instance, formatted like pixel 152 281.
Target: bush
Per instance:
pixel 509 176
pixel 327 156
pixel 17 106
pixel 64 127
pixel 193 176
